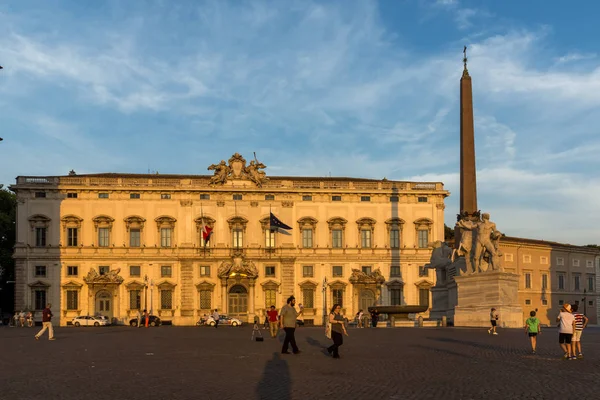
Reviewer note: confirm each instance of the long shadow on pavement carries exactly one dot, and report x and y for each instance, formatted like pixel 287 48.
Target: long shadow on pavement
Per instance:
pixel 464 342
pixel 276 382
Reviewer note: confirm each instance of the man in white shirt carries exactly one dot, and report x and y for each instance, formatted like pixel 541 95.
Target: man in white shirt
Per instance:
pixel 215 316
pixel 566 328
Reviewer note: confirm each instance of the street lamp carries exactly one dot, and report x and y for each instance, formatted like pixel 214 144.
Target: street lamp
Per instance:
pixel 146 292
pixel 584 302
pixel 324 300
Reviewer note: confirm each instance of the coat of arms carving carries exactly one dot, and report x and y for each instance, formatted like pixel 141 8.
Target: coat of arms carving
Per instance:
pixel 236 168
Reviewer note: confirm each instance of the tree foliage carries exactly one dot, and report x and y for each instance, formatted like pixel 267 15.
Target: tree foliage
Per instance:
pixel 448 232
pixel 8 224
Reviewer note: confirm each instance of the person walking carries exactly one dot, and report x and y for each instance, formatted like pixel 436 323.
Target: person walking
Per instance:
pixel 359 317
pixel 146 318
pixel 273 321
pixel 581 322
pixel 215 316
pixel 139 318
pixel 532 329
pixel 566 328
pixel 374 318
pixel 338 328
pixel 46 323
pixel 287 322
pixel 493 321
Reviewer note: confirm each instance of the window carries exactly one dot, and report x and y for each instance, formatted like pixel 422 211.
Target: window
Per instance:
pixel 527 258
pixel 561 281
pixel 590 303
pixel 134 270
pixel 395 270
pixel 307 198
pixel 544 260
pixel 396 297
pixel 577 282
pixel 590 285
pixel 575 263
pixel 237 197
pixel 308 298
pixel 165 237
pixel 423 271
pixel 165 196
pixel 366 269
pixel 561 302
pixel 205 270
pixel 103 269
pixel 205 300
pixel 365 238
pixel 394 199
pixel 560 261
pixel 135 299
pixel 307 271
pixel 527 301
pixel 424 297
pixel 307 238
pixel 103 195
pixel 508 257
pixel 238 238
pixel 544 302
pixel 270 270
pixel 205 196
pixel 528 280
pixel 135 237
pixel 71 195
pixel 72 299
pixel 269 239
pixel 336 238
pixel 72 270
pixel 269 197
pixel 365 198
pixel 338 270
pixel 40 237
pixel 422 199
pixel 103 237
pixel 338 296
pixel 423 236
pixel 72 237
pixel 134 196
pixel 544 282
pixel 589 264
pixel 40 195
pixel 270 299
pixel 166 271
pixel 40 299
pixel 166 299
pixel 336 198
pixel 40 270
pixel 395 238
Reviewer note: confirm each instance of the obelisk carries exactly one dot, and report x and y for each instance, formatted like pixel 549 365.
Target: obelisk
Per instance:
pixel 468 174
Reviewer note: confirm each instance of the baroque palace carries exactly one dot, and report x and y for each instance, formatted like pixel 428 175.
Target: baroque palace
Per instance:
pixel 113 244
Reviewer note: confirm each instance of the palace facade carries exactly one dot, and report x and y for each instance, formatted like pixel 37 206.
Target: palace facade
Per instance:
pixel 113 244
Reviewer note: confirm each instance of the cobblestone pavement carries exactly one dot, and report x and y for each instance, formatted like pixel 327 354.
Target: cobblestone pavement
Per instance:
pixel 192 363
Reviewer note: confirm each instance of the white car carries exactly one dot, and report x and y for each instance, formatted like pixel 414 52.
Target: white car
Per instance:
pixel 88 320
pixel 223 320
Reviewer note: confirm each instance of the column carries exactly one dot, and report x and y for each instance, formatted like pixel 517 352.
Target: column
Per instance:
pixel 251 310
pixel 223 296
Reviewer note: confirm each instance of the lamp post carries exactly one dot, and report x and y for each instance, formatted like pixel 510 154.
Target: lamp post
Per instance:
pixel 324 300
pixel 584 302
pixel 146 292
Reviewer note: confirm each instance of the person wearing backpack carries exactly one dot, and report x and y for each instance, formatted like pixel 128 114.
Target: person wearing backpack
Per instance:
pixel 532 329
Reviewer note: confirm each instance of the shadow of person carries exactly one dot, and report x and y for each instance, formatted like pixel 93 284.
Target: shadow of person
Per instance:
pixel 314 342
pixel 276 381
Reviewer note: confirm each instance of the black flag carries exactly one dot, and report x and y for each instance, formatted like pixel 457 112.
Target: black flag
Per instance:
pixel 276 224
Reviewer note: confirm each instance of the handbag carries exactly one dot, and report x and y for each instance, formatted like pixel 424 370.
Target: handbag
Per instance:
pixel 328 330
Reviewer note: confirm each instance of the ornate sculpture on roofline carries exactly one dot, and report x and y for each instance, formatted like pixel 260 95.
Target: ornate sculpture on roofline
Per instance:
pixel 237 267
pixel 93 277
pixel 237 169
pixel 479 245
pixel 360 277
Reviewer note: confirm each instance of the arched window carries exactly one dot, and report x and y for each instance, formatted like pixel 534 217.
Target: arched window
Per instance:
pixel 103 226
pixel 423 232
pixel 166 230
pixel 71 225
pixel 134 225
pixel 237 227
pixel 394 231
pixel 308 229
pixel 39 227
pixel 366 230
pixel 337 226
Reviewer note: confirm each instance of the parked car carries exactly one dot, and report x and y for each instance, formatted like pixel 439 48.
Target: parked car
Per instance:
pixel 224 320
pixel 89 320
pixel 153 321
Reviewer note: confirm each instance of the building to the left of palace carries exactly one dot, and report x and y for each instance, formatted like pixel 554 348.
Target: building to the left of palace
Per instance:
pixel 113 244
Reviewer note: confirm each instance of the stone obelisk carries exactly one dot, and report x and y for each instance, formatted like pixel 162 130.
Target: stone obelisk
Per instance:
pixel 468 174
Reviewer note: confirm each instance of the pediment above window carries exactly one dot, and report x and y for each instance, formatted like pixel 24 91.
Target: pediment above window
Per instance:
pixel 166 285
pixel 134 221
pixel 336 222
pixel 366 222
pixel 423 223
pixel 165 221
pixel 337 284
pixel 72 285
pixel 270 284
pixel 39 285
pixel 135 285
pixel 237 221
pixel 395 222
pixel 424 284
pixel 307 222
pixel 395 283
pixel 72 221
pixel 103 221
pixel 39 221
pixel 205 285
pixel 308 284
pixel 208 221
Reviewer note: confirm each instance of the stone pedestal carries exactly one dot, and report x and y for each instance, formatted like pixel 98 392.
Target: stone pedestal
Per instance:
pixel 439 300
pixel 478 293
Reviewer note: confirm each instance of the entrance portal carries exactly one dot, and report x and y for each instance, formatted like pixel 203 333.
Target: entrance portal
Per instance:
pixel 238 302
pixel 367 299
pixel 103 304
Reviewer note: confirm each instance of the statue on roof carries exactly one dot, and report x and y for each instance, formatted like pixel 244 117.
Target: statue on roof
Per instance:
pixel 221 171
pixel 254 173
pixel 236 169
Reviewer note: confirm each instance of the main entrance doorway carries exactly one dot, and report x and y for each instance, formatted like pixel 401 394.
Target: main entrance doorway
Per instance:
pixel 238 302
pixel 103 304
pixel 367 299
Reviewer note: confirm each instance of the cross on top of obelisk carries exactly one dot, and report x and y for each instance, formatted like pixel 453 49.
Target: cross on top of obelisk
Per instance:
pixel 465 59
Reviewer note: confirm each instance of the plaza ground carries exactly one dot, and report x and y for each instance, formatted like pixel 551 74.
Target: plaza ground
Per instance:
pixel 199 362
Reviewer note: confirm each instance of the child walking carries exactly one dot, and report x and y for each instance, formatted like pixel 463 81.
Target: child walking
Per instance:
pixel 532 329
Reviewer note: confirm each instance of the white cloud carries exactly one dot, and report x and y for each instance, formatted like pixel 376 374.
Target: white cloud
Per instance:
pixel 570 57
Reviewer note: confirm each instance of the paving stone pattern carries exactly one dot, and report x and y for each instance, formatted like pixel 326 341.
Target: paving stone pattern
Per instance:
pixel 198 362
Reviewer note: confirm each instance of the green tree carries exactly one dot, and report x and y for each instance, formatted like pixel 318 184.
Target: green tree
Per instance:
pixel 8 224
pixel 448 232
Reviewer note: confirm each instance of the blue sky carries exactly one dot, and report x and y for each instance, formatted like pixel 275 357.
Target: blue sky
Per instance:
pixel 348 88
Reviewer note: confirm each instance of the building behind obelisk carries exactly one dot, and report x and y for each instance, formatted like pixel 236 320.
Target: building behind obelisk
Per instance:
pixel 472 281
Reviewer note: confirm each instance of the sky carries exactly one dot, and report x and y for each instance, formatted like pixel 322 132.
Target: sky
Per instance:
pixel 362 88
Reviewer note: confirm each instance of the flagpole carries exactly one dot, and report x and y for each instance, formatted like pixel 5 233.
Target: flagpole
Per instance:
pixel 202 230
